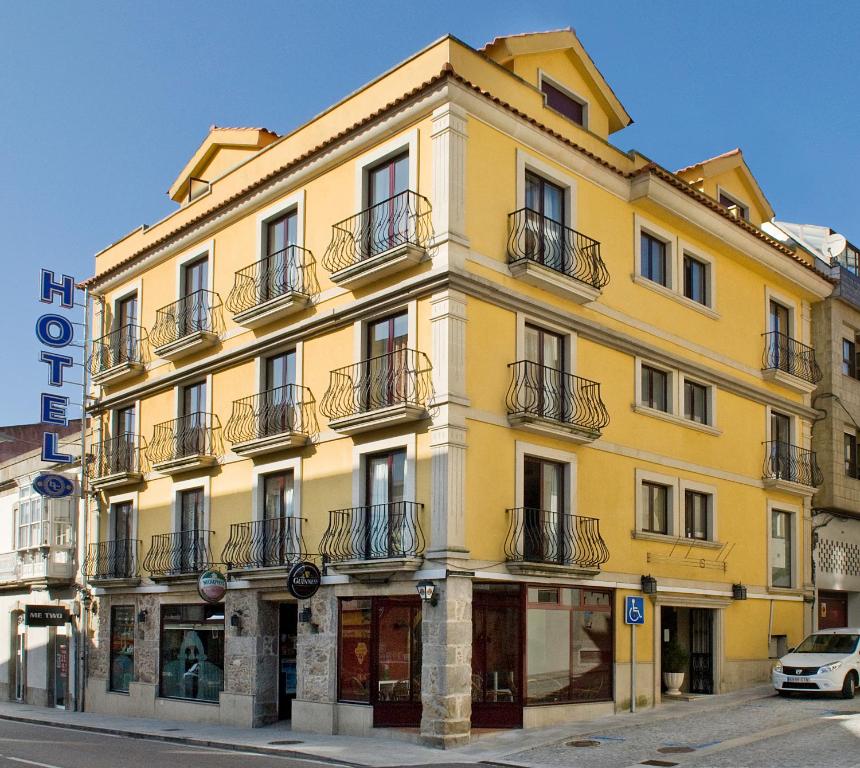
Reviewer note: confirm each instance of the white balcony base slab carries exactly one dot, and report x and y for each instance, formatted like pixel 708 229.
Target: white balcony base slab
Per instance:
pixel 108 582
pixel 381 265
pixel 270 444
pixel 118 373
pixel 184 464
pixel 528 568
pixel 549 427
pixel 379 418
pixel 381 569
pixel 551 280
pixel 116 480
pixel 788 486
pixel 789 380
pixel 274 309
pixel 187 345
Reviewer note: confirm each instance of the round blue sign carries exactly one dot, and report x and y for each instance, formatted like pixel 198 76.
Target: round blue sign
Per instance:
pixel 53 486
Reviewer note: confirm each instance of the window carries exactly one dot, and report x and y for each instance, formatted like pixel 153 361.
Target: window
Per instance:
pixel 280 267
pixel 696 279
pixel 696 402
pixel 543 511
pixel 191 431
pixel 655 389
pixel 560 101
pixel 781 552
pixel 389 214
pixel 655 506
pixel 354 651
pixel 192 651
pixel 32 519
pixel 121 647
pixel 696 514
pixel 851 455
pixel 654 264
pixel 730 202
pixel 568 645
pixel 122 563
pixel 849 359
pixel 545 379
pixel 125 330
pixel 193 541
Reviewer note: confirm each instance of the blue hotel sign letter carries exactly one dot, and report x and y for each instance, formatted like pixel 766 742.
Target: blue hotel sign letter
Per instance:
pixel 55 331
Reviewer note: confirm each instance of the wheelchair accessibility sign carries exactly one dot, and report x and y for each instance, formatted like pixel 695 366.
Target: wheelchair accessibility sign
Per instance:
pixel 634 610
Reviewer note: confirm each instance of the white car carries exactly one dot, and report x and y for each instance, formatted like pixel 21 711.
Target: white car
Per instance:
pixel 826 662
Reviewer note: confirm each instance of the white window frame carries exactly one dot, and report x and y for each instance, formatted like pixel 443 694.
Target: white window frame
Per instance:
pixel 796 517
pixel 686 248
pixel 406 142
pixel 675 414
pixel 710 397
pixel 134 288
pixel 685 485
pixel 566 458
pixel 295 201
pixel 204 482
pixel 44 515
pixel 359 328
pixel 671 387
pixel 644 226
pixel 527 162
pixel 121 498
pixel 177 395
pixel 792 425
pixel 206 249
pixel 568 338
pixel 258 497
pixel 770 295
pixel 359 458
pixel 260 363
pixel 544 77
pixel 671 483
pixel 744 207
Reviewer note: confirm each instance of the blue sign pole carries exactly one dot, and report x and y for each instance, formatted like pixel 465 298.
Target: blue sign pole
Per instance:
pixel 634 615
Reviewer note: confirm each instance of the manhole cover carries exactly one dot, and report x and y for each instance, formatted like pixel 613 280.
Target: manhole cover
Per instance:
pixel 284 742
pixel 583 743
pixel 675 750
pixel 661 763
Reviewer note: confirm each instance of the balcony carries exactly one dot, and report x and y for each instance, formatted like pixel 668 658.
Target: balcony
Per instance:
pixel 118 462
pixel 273 420
pixel 119 355
pixel 265 544
pixel 373 542
pixel 188 325
pixel 178 555
pixel 380 241
pixel 382 391
pixel 544 253
pixel 273 288
pixel 545 543
pixel 185 444
pixel 790 468
pixel 114 563
pixel 789 362
pixel 549 401
pixel 51 565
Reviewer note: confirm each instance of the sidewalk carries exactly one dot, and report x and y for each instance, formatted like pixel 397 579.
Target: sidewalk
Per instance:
pixel 386 749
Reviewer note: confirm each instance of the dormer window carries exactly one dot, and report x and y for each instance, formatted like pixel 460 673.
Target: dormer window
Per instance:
pixel 735 206
pixel 563 101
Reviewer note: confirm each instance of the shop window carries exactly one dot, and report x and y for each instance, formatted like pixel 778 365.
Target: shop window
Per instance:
pixel 121 647
pixel 192 651
pixel 354 652
pixel 568 645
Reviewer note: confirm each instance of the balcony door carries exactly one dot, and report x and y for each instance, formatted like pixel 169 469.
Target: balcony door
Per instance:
pixel 779 324
pixel 121 457
pixel 388 211
pixel 191 431
pixel 194 309
pixel 126 330
pixel 386 364
pixel 279 270
pixel 122 523
pixel 279 543
pixel 191 555
pixel 545 221
pixel 545 380
pixel 780 446
pixel 277 413
pixel 386 516
pixel 543 513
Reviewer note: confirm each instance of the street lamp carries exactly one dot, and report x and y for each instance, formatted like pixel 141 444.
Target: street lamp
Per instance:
pixel 427 591
pixel 649 585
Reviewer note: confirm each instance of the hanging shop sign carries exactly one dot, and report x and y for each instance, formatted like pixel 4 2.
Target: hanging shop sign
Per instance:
pixel 56 331
pixel 212 586
pixel 45 615
pixel 53 486
pixel 303 580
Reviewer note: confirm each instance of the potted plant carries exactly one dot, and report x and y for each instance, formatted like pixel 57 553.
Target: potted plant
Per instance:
pixel 675 658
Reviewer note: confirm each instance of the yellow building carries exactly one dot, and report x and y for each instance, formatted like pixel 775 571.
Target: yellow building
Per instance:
pixel 447 334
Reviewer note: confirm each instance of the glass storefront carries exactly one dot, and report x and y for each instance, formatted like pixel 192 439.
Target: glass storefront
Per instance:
pixel 192 651
pixel 354 651
pixel 121 647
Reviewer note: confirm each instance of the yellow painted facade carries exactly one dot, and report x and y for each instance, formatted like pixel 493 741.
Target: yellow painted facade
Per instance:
pixel 473 124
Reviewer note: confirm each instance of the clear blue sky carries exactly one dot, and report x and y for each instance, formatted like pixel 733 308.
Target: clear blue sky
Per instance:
pixel 101 104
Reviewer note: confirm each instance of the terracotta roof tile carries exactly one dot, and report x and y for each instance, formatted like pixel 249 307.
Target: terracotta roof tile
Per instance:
pixel 735 151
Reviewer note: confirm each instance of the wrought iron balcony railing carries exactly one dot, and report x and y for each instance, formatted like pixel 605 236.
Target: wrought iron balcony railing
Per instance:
pixel 291 270
pixel 374 532
pixel 290 408
pixel 118 559
pixel 782 353
pixel 542 240
pixel 783 461
pixel 265 544
pixel 175 554
pixel 401 220
pixel 402 377
pixel 547 393
pixel 196 434
pixel 121 455
pixel 542 536
pixel 127 344
pixel 198 312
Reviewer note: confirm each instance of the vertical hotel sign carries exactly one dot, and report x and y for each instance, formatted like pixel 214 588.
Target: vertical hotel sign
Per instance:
pixel 56 331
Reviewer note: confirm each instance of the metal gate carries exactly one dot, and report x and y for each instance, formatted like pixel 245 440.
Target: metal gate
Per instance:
pixel 701 650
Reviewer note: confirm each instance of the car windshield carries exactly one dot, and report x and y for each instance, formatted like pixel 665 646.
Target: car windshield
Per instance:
pixel 828 644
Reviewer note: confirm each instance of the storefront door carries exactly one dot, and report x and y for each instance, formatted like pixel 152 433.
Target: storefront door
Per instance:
pixel 61 671
pixel 287 631
pixel 396 691
pixel 20 656
pixel 832 610
pixel 497 657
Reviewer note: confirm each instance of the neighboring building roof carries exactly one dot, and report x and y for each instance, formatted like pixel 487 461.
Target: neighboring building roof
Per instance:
pixel 19 439
pixel 503 49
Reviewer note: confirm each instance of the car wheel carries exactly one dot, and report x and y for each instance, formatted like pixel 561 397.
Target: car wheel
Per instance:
pixel 849 686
